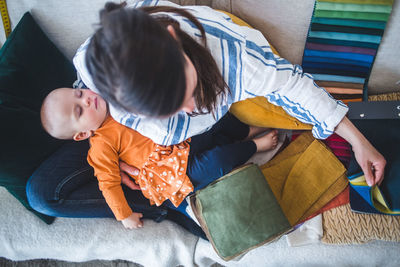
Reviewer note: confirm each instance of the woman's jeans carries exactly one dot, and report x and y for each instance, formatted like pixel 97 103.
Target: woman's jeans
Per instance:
pixel 65 186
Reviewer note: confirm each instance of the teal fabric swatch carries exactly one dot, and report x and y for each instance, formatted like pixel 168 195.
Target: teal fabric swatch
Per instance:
pixel 342 42
pixel 351 22
pixel 337 78
pixel 346 36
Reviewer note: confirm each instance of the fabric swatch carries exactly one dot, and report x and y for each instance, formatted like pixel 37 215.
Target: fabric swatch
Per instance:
pixel 342 43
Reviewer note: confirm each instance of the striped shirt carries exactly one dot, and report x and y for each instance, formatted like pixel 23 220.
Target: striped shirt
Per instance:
pixel 250 69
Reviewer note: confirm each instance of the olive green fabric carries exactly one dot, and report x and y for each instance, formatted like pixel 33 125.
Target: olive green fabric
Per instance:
pixel 30 67
pixel 239 212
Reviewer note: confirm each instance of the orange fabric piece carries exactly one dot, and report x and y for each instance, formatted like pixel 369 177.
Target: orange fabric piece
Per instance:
pixel 339 90
pixel 346 101
pixel 162 168
pixel 339 200
pixel 340 84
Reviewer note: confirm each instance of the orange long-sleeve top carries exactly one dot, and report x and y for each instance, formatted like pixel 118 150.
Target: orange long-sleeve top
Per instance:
pixel 162 169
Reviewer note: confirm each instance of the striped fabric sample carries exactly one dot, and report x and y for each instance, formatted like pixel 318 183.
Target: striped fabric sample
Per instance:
pixel 342 42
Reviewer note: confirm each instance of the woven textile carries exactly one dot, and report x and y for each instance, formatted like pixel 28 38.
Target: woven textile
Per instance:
pixel 342 42
pixel 342 226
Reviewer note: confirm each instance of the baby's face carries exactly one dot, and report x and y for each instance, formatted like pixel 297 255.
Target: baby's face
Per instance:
pixel 82 109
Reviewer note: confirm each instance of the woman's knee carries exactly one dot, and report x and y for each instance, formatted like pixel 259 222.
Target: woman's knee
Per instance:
pixel 59 175
pixel 37 195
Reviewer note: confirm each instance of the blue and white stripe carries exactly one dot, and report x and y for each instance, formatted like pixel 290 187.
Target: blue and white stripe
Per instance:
pixel 250 69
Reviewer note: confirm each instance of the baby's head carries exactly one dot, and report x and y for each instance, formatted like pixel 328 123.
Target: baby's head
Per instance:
pixel 68 113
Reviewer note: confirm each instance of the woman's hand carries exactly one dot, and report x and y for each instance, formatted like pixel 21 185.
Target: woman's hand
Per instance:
pixel 127 170
pixel 370 160
pixel 133 221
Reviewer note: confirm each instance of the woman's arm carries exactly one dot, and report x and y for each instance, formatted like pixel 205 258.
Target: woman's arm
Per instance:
pixel 126 172
pixel 370 160
pixel 286 85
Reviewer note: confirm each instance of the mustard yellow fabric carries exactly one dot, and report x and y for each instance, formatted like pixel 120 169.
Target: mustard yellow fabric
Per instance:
pixel 258 111
pixel 336 188
pixel 304 177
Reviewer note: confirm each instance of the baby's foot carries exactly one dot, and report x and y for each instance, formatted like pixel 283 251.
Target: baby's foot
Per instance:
pixel 254 131
pixel 267 142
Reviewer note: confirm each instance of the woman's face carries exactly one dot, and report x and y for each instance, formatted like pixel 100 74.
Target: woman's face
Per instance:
pixel 189 103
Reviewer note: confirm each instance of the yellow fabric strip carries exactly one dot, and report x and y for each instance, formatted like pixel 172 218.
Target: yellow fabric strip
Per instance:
pixel 359 181
pixel 5 18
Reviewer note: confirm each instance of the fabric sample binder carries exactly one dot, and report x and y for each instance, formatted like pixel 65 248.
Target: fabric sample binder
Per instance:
pixel 239 212
pixel 342 43
pixel 254 205
pixel 248 215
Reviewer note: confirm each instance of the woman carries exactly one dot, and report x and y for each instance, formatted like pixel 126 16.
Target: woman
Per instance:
pixel 173 74
pixel 154 66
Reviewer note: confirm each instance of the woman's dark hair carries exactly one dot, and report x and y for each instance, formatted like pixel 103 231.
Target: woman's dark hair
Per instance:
pixel 139 67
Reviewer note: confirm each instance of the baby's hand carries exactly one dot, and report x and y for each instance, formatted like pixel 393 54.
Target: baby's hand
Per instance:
pixel 133 221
